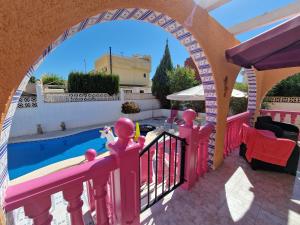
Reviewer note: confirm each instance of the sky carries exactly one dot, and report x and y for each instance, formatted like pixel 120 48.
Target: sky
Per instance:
pixel 136 37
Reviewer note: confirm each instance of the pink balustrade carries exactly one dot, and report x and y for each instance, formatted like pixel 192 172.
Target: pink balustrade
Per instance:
pixel 196 157
pixel 196 154
pixel 233 128
pixel 120 170
pixel 282 114
pixel 202 159
pixel 35 195
pixel 113 182
pixel 161 156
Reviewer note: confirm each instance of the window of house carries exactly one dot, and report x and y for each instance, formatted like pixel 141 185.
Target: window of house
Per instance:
pixel 127 91
pixel 142 91
pixel 145 75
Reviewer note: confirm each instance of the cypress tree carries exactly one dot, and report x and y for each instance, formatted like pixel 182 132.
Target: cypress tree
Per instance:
pixel 160 81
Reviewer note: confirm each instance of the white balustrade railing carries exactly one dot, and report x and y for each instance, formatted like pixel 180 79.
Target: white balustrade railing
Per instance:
pixel 283 99
pixel 27 102
pixel 79 97
pixel 138 96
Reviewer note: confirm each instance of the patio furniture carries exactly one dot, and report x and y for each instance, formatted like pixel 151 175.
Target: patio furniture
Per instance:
pixel 198 119
pixel 174 118
pixel 281 130
pixel 145 128
pixel 265 150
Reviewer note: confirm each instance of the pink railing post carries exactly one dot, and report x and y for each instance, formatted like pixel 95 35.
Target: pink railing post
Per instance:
pixel 273 114
pixel 100 191
pixel 38 211
pixel 125 180
pixel 190 133
pixel 204 133
pixel 72 195
pixel 282 116
pixel 90 155
pixel 293 118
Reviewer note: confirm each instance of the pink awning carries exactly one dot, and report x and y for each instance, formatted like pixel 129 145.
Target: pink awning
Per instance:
pixel 276 48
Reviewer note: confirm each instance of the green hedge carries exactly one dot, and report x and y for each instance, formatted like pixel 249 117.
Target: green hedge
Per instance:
pixel 238 105
pixel 52 79
pixel 93 83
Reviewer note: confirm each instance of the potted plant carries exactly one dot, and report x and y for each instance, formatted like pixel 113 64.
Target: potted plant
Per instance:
pixel 130 110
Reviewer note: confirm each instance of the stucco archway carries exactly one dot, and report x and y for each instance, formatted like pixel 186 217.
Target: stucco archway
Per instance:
pixel 168 24
pixel 264 81
pixel 28 36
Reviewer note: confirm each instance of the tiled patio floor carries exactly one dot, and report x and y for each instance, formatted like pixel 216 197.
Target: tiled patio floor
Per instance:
pixel 234 194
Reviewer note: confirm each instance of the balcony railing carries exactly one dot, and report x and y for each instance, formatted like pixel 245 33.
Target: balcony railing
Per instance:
pixel 109 180
pixel 202 153
pixel 113 183
pixel 284 116
pixel 162 168
pixel 35 195
pixel 233 128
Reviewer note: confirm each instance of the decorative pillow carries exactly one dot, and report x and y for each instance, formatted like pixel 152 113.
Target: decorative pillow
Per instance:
pixel 267 126
pixel 290 135
pixel 264 119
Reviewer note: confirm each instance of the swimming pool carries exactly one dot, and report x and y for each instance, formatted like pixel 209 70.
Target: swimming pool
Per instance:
pixel 25 157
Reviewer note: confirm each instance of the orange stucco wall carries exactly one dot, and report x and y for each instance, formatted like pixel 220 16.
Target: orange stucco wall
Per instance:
pixel 267 79
pixel 28 27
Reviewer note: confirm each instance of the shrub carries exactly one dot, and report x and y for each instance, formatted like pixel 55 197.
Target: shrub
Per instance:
pixel 198 106
pixel 181 78
pixel 241 86
pixel 93 83
pixel 265 104
pixel 289 87
pixel 130 107
pixel 52 79
pixel 238 105
pixel 160 82
pixel 32 80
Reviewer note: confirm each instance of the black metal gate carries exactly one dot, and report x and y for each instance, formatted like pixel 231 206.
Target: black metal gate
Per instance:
pixel 161 168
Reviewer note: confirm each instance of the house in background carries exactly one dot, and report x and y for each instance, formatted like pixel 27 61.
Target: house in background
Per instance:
pixel 29 90
pixel 245 79
pixel 134 71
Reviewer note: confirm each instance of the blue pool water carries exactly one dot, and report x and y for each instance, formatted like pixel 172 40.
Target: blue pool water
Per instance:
pixel 26 157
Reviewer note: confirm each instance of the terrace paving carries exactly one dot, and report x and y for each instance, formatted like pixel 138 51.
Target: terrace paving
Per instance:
pixel 233 194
